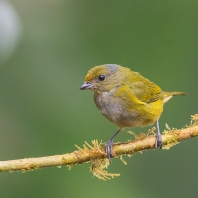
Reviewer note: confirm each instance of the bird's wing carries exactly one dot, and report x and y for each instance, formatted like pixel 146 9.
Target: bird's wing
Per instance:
pixel 146 91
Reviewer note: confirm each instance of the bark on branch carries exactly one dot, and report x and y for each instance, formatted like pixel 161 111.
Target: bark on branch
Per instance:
pixel 96 153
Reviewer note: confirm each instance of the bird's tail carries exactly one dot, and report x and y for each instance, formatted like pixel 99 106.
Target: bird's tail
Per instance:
pixel 169 95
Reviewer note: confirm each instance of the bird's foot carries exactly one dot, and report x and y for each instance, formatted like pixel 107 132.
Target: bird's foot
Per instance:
pixel 158 141
pixel 109 148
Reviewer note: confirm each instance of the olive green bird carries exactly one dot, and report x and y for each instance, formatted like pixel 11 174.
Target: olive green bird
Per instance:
pixel 126 98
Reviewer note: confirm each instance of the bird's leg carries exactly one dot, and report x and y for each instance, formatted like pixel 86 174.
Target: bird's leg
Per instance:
pixel 109 145
pixel 158 141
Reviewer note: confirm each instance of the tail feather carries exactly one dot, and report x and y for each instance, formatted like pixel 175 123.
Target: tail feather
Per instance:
pixel 169 95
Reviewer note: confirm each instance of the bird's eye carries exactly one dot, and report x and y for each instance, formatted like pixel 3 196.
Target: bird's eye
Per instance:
pixel 101 77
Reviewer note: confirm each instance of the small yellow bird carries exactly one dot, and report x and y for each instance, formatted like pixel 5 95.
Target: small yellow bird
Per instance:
pixel 126 98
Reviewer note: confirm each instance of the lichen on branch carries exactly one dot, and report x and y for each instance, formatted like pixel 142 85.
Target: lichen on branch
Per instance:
pixel 96 153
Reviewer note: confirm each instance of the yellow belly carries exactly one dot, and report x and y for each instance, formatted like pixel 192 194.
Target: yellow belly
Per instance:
pixel 138 115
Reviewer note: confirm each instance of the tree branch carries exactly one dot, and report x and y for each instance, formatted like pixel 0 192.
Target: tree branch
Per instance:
pixel 96 153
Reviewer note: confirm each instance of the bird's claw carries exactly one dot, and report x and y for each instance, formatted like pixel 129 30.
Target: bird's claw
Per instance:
pixel 158 141
pixel 109 148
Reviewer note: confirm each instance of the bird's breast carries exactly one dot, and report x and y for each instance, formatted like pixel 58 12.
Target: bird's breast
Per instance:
pixel 115 111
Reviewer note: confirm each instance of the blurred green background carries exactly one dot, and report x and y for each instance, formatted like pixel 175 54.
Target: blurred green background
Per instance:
pixel 43 112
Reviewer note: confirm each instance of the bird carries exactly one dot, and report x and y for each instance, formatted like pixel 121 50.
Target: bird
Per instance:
pixel 126 98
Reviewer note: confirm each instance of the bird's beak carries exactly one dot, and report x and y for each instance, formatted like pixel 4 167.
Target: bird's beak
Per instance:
pixel 86 85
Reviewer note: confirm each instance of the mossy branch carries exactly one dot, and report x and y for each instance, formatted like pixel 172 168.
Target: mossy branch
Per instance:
pixel 96 153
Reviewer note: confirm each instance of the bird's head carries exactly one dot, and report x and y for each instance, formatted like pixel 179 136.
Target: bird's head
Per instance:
pixel 101 78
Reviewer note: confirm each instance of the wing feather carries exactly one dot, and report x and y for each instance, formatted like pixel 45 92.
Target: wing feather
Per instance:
pixel 146 91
